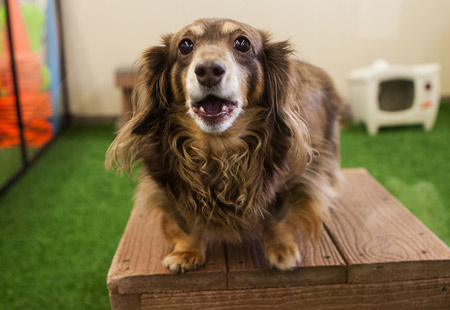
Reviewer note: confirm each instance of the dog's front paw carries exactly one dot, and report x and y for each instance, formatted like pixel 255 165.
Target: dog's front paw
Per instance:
pixel 283 256
pixel 182 261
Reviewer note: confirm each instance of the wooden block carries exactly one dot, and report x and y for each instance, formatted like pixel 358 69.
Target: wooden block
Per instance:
pixel 374 254
pixel 407 295
pixel 137 267
pixel 380 239
pixel 321 264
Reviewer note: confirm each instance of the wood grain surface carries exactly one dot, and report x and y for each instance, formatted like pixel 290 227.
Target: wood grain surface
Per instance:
pixel 321 263
pixel 137 267
pixel 125 302
pixel 379 238
pixel 404 295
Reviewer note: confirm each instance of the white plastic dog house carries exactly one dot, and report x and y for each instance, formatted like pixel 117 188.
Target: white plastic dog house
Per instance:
pixel 390 95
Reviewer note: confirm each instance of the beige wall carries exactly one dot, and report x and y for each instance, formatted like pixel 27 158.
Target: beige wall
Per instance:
pixel 338 35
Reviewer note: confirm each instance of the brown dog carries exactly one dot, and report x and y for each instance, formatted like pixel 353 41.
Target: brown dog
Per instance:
pixel 236 138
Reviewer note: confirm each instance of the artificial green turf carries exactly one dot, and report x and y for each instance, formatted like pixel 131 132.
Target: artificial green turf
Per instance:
pixel 61 223
pixel 10 163
pixel 411 163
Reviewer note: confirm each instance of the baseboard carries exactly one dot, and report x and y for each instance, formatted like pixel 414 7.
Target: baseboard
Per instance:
pixel 445 99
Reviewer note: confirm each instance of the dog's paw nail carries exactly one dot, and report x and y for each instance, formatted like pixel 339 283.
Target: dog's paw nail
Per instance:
pixel 195 266
pixel 185 269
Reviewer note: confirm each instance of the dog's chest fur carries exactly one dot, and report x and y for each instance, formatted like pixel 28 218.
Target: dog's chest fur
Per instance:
pixel 218 181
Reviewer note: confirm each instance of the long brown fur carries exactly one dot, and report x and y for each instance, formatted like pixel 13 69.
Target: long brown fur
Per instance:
pixel 273 171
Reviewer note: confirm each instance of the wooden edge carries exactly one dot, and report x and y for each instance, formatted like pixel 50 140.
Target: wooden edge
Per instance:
pixel 125 302
pixel 411 295
pixel 275 278
pixel 126 69
pixel 181 282
pixel 112 280
pixel 398 271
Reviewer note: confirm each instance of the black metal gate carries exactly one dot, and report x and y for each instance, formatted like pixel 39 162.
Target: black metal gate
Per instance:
pixel 33 92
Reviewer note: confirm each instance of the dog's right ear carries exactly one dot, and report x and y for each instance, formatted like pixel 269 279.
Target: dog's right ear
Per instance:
pixel 150 100
pixel 152 94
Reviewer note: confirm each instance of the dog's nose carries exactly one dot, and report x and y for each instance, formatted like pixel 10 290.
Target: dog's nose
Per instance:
pixel 210 73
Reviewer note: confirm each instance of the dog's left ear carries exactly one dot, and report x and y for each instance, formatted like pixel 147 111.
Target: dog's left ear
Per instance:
pixel 276 63
pixel 152 95
pixel 284 115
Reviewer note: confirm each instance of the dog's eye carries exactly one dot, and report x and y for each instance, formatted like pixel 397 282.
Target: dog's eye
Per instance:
pixel 186 46
pixel 242 44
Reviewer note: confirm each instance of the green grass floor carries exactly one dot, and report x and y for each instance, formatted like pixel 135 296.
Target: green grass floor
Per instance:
pixel 61 223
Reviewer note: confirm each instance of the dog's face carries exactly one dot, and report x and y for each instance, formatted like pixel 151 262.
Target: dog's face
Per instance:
pixel 212 70
pixel 216 71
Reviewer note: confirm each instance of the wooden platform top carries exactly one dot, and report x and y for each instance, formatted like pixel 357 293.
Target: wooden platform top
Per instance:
pixel 371 237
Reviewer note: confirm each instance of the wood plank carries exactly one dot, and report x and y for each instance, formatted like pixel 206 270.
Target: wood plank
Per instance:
pixel 379 238
pixel 406 295
pixel 321 264
pixel 137 267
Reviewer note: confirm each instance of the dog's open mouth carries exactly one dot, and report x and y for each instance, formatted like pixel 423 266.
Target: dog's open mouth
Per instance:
pixel 213 108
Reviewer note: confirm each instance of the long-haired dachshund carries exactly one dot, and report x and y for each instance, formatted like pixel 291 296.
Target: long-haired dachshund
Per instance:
pixel 237 139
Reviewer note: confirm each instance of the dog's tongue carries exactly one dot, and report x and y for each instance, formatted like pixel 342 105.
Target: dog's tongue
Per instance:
pixel 212 107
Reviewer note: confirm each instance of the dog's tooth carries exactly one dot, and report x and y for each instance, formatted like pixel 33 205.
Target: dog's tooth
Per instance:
pixel 224 108
pixel 202 109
